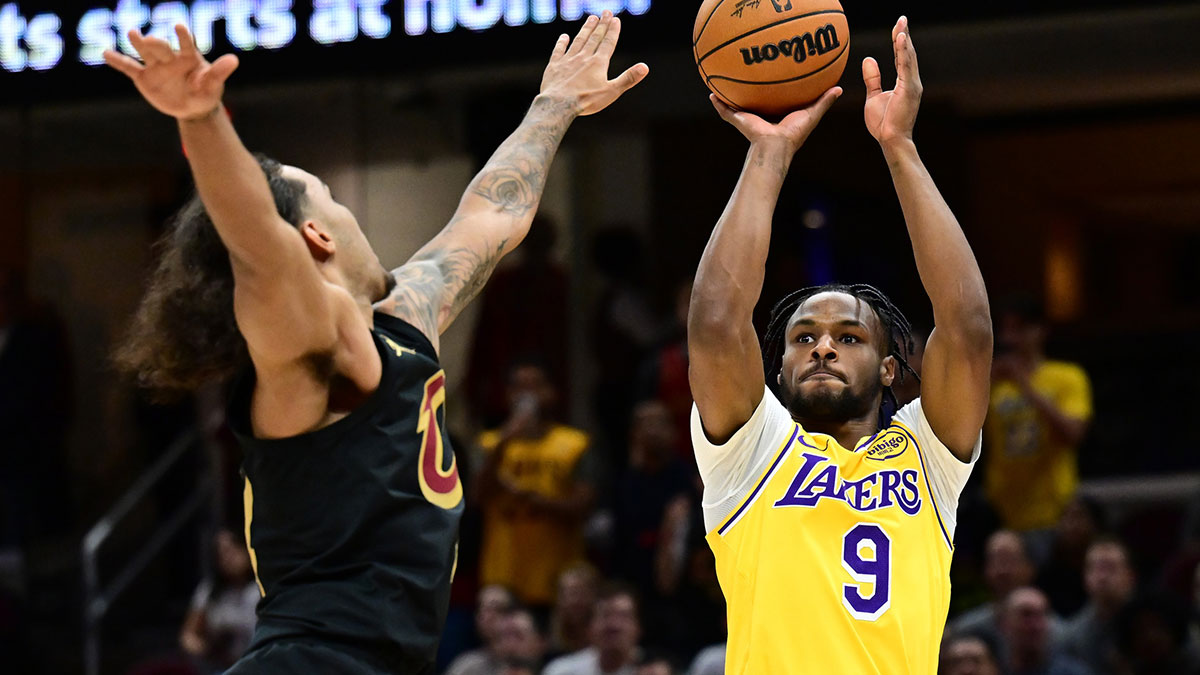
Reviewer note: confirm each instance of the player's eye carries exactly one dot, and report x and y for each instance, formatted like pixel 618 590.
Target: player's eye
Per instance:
pixel 850 339
pixel 804 338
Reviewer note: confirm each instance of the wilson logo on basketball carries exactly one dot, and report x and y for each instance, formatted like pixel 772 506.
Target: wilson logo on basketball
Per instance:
pixel 817 43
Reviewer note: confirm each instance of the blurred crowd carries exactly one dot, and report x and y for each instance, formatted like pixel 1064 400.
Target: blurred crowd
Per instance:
pixel 583 551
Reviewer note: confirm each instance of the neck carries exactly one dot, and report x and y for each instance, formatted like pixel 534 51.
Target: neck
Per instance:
pixel 536 431
pixel 846 432
pixel 1107 608
pixel 1027 657
pixel 612 660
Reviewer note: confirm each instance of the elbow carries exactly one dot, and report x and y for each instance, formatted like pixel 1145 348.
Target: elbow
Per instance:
pixel 972 331
pixel 711 322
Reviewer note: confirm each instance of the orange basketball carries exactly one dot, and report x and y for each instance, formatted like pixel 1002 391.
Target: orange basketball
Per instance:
pixel 771 56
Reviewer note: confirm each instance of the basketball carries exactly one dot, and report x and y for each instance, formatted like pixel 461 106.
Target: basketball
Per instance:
pixel 770 56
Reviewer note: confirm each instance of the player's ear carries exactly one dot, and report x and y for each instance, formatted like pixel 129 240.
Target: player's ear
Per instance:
pixel 887 370
pixel 779 377
pixel 319 240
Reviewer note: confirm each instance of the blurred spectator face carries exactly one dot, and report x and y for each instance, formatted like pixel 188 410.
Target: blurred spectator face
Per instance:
pixel 1006 565
pixel 652 438
pixel 493 601
pixel 1107 574
pixel 1019 335
pixel 615 624
pixel 1027 620
pixel 530 381
pixel 233 561
pixel 968 656
pixel 1076 527
pixel 655 668
pixel 517 638
pixel 576 592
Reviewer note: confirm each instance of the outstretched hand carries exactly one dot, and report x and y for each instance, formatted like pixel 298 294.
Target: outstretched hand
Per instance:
pixel 578 69
pixel 179 83
pixel 891 115
pixel 794 129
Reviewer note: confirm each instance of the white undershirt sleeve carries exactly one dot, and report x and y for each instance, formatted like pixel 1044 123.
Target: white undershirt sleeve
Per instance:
pixel 947 473
pixel 729 470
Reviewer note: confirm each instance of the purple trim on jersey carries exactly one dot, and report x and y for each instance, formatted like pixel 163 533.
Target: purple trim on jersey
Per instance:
pixel 925 473
pixel 810 445
pixel 867 443
pixel 754 493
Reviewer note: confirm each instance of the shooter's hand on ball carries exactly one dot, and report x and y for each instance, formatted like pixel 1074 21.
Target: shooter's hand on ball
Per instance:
pixel 578 69
pixel 792 130
pixel 891 115
pixel 180 83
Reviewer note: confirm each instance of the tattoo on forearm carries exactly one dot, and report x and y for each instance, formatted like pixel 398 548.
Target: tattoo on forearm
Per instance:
pixel 416 296
pixel 435 287
pixel 438 283
pixel 514 177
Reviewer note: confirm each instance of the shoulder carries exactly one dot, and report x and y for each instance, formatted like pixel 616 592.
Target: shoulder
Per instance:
pixel 976 619
pixel 402 336
pixel 488 440
pixel 570 436
pixel 1063 370
pixel 570 664
pixel 468 664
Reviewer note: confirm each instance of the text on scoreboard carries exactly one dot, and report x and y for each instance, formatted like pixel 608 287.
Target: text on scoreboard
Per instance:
pixel 38 41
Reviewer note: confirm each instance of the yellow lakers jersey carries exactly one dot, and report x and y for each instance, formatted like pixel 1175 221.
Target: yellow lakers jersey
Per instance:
pixel 832 560
pixel 545 467
pixel 1031 475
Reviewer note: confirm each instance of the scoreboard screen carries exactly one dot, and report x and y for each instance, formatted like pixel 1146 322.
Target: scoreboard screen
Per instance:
pixel 53 49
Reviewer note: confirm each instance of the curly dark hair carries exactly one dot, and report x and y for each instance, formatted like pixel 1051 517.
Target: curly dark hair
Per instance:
pixel 184 334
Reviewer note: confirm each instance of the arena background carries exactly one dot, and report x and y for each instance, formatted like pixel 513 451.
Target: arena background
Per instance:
pixel 1064 135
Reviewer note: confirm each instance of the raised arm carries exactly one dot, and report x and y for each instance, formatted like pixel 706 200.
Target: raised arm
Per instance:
pixel 494 215
pixel 725 360
pixel 955 377
pixel 282 304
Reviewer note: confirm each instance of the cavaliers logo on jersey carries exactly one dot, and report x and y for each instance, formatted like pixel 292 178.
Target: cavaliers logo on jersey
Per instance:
pixel 440 485
pixel 889 445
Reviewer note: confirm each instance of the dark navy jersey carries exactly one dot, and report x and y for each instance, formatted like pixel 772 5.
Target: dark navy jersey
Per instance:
pixel 353 528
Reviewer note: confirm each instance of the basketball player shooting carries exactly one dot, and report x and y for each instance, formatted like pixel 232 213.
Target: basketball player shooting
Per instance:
pixel 352 491
pixel 831 515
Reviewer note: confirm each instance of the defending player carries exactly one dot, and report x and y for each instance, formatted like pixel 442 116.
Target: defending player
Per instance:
pixel 352 493
pixel 832 520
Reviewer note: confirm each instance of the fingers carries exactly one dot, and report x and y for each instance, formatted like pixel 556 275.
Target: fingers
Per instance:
pixel 602 28
pixel 130 67
pixel 186 44
pixel 630 78
pixel 728 114
pixel 871 77
pixel 906 60
pixel 560 47
pixel 609 44
pixel 151 49
pixel 585 32
pixel 817 110
pixel 807 119
pixel 222 68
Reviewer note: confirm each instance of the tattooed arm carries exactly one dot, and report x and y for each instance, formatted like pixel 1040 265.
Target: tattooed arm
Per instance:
pixel 434 286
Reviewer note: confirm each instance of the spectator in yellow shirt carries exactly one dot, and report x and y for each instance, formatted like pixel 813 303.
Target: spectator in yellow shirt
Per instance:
pixel 1039 414
pixel 535 491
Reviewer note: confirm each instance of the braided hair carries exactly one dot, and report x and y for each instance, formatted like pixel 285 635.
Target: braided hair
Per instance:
pixel 897 329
